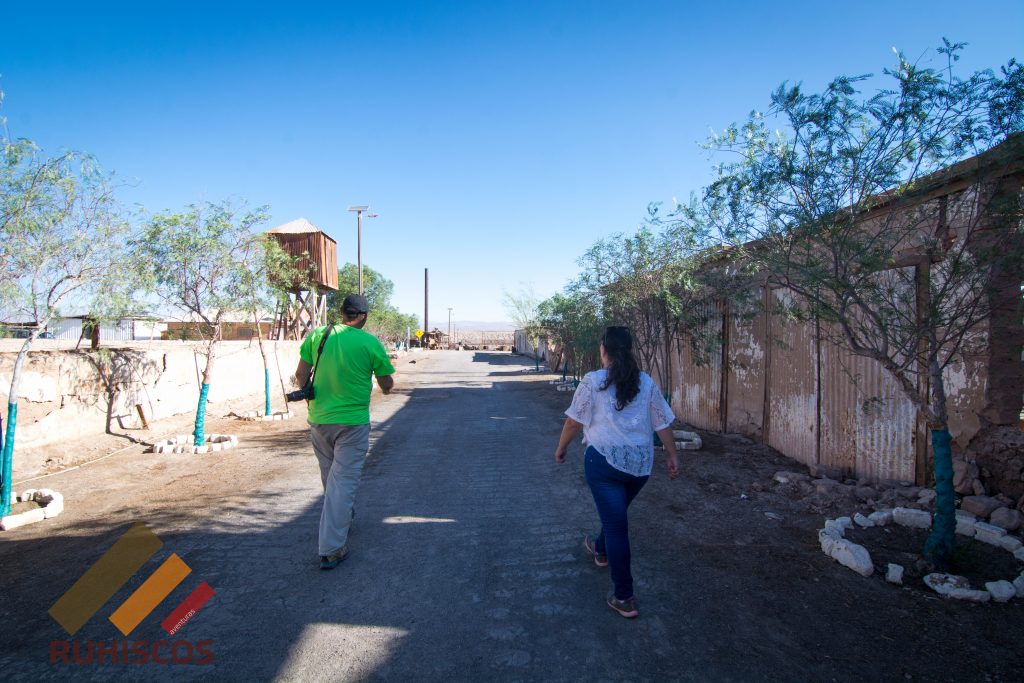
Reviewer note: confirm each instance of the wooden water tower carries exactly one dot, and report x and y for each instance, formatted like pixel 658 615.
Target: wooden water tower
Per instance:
pixel 317 253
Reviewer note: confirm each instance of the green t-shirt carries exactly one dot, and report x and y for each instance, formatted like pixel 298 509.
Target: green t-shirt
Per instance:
pixel 343 379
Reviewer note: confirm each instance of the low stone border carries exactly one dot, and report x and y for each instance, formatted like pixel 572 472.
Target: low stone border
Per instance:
pixel 687 441
pixel 256 416
pixel 857 557
pixel 52 502
pixel 183 443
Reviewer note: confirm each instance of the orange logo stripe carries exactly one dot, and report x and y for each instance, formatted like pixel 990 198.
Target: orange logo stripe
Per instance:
pixel 105 578
pixel 150 594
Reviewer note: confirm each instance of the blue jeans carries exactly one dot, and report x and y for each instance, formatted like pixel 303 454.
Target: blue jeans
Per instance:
pixel 613 491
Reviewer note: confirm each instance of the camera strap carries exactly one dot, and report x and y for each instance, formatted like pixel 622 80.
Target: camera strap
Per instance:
pixel 319 352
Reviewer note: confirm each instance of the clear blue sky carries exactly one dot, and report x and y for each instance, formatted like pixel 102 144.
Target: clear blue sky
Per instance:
pixel 496 140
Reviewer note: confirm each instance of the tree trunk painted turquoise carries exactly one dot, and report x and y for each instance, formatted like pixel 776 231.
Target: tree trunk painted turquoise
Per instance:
pixel 266 391
pixel 941 543
pixel 3 477
pixel 7 466
pixel 211 358
pixel 199 433
pixel 8 458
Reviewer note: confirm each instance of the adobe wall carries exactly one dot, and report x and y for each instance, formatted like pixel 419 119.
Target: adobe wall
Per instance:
pixel 68 394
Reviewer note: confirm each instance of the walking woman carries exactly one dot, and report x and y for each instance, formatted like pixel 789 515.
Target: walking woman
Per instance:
pixel 617 408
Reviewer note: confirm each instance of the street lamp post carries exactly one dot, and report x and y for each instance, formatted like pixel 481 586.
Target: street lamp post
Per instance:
pixel 359 239
pixel 449 329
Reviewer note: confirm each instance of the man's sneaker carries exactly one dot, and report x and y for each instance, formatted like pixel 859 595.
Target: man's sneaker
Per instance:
pixel 600 559
pixel 626 608
pixel 334 559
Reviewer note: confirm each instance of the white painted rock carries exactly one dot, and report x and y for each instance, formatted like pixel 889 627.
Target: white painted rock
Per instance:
pixel 965 528
pixel 916 519
pixel 790 477
pixel 881 517
pixel 853 556
pixel 894 574
pixel 863 521
pixel 1001 591
pixel 687 441
pixel 828 541
pixel 21 519
pixel 1019 554
pixel 965 523
pixel 183 443
pixel 836 527
pixel 1010 543
pixel 1006 518
pixel 1018 585
pixel 944 583
pixel 54 508
pixel 988 533
pixel 27 495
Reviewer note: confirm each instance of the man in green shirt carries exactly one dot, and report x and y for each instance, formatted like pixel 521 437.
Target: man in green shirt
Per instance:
pixel 339 415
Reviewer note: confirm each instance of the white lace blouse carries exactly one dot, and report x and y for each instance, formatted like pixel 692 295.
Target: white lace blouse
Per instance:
pixel 623 437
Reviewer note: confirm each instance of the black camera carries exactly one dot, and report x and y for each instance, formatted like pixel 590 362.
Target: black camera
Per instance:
pixel 303 394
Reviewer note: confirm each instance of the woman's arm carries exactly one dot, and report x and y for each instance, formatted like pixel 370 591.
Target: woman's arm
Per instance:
pixel 668 440
pixel 570 430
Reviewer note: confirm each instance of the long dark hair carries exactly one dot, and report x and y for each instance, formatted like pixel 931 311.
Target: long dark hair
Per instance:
pixel 623 371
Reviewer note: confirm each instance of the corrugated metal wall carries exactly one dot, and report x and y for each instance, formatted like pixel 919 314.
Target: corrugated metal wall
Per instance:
pixel 868 426
pixel 746 352
pixel 792 386
pixel 697 388
pixel 70 329
pixel 824 404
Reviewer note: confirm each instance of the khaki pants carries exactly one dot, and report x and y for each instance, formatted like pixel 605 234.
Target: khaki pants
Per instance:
pixel 341 452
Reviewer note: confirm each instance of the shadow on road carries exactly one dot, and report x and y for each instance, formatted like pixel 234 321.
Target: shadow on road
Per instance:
pixel 467 565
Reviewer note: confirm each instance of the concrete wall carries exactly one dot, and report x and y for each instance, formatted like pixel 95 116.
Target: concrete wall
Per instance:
pixel 67 394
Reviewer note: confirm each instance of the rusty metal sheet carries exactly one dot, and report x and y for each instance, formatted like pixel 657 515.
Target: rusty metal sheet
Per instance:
pixel 793 386
pixel 697 390
pixel 868 425
pixel 745 390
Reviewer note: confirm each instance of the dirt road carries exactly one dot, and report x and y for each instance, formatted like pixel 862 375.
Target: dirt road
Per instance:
pixel 467 563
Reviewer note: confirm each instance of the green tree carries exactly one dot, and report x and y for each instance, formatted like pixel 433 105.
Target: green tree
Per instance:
pixel 63 238
pixel 196 261
pixel 827 195
pixel 574 322
pixel 376 288
pixel 633 277
pixel 387 323
pixel 384 321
